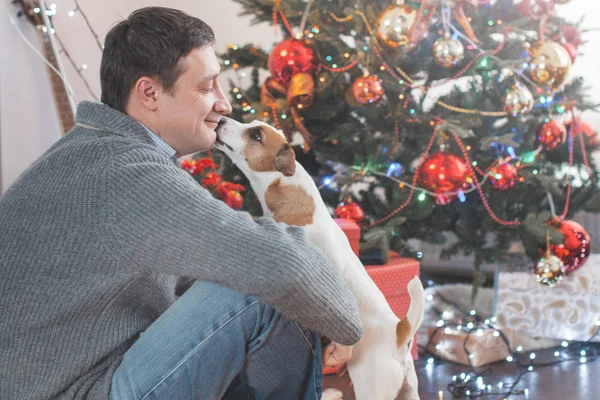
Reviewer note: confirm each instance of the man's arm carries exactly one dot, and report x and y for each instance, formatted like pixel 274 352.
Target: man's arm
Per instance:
pixel 162 220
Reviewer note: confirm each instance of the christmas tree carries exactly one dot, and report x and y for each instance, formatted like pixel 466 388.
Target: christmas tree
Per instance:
pixel 419 118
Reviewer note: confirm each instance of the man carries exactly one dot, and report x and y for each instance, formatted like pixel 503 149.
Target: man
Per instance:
pixel 99 233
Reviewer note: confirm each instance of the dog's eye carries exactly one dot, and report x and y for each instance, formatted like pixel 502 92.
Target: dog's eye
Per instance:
pixel 254 134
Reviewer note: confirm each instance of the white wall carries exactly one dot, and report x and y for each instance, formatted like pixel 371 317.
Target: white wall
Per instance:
pixel 28 119
pixel 221 15
pixel 588 63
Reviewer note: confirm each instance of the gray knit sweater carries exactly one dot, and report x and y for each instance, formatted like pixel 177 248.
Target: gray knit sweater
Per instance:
pixel 96 236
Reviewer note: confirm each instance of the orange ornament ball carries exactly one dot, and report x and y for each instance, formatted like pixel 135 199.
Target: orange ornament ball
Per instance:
pixel 367 89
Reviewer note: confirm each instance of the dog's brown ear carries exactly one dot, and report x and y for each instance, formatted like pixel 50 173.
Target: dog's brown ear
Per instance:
pixel 285 162
pixel 403 330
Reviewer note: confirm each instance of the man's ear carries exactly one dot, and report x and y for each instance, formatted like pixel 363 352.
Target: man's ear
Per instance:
pixel 146 89
pixel 285 162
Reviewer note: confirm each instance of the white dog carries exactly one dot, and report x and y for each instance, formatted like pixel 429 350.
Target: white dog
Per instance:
pixel 381 367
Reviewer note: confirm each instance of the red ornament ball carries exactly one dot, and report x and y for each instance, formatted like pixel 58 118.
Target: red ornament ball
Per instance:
pixel 503 176
pixel 552 134
pixel 351 211
pixel 576 247
pixel 533 8
pixel 572 35
pixel 585 129
pixel 442 173
pixel 367 89
pixel 291 57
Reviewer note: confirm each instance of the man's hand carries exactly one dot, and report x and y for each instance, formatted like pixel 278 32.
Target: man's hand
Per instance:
pixel 335 354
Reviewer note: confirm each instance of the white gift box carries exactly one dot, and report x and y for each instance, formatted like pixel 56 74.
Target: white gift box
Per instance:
pixel 568 311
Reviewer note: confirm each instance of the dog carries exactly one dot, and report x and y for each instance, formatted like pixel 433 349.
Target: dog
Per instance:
pixel 381 367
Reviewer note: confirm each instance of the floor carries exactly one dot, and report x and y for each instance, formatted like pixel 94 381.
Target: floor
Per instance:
pixel 566 381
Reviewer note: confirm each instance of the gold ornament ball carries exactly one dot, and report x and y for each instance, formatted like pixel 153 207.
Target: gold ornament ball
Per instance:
pixel 550 64
pixel 519 100
pixel 448 52
pixel 549 270
pixel 394 24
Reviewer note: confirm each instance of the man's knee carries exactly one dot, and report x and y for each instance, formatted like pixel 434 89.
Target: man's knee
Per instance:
pixel 268 320
pixel 204 292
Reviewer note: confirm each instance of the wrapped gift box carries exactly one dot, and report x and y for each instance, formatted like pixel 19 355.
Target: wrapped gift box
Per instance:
pixel 567 311
pixel 391 278
pixel 352 231
pixel 483 345
pixel 484 348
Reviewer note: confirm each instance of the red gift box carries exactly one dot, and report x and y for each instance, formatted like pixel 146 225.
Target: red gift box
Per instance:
pixel 391 278
pixel 351 230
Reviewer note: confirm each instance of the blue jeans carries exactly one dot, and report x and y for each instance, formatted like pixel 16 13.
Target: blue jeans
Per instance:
pixel 214 341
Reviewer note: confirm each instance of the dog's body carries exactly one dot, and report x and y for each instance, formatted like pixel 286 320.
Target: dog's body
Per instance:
pixel 381 365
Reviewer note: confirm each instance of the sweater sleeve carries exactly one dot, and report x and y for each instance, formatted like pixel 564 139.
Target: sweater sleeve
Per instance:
pixel 163 221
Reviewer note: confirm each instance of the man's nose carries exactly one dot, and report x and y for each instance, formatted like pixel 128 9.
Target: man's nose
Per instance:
pixel 222 106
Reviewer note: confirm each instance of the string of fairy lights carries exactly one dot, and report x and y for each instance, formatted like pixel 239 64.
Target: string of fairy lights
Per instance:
pixel 80 68
pixel 479 382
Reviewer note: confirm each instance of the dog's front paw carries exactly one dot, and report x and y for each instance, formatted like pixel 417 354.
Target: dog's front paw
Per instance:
pixel 332 394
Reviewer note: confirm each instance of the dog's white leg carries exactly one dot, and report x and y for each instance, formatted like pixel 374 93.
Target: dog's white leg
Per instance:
pixel 410 388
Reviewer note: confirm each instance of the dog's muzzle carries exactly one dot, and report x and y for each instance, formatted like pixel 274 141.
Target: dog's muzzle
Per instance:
pixel 218 130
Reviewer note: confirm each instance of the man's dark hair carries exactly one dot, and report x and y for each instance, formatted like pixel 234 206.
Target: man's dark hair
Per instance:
pixel 148 43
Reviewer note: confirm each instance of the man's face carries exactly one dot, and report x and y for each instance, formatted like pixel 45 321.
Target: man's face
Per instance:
pixel 187 116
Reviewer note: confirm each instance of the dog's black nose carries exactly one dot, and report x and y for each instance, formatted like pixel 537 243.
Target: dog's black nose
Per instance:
pixel 221 122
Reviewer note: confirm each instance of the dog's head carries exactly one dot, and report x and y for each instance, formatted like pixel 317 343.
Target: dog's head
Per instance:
pixel 255 147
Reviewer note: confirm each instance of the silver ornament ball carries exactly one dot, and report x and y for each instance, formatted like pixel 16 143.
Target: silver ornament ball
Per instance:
pixel 519 100
pixel 549 270
pixel 448 52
